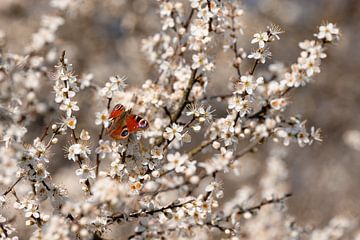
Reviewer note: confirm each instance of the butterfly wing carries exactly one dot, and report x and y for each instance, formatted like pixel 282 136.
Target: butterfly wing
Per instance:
pixel 123 123
pixel 136 123
pixel 117 111
pixel 118 129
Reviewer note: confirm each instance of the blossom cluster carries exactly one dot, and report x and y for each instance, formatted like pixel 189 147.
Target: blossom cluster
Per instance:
pixel 167 179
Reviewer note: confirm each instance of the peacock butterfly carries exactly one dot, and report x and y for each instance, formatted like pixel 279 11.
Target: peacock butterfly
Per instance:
pixel 123 123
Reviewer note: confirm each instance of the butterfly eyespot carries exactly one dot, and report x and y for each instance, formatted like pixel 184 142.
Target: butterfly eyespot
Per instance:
pixel 124 133
pixel 143 123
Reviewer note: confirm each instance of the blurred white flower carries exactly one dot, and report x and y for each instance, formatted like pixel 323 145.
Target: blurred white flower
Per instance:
pixel 102 118
pixel 201 60
pixel 157 153
pixel 240 105
pixel 176 161
pixel 84 135
pixel 76 150
pixel 85 172
pixel 328 32
pixel 118 82
pixel 106 91
pixel 103 148
pixel 260 55
pixel 352 139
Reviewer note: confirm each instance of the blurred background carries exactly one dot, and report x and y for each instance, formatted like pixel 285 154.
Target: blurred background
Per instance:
pixel 104 38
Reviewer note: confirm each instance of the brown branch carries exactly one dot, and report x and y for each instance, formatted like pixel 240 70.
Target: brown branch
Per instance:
pixel 235 47
pixel 100 137
pixel 237 156
pixel 74 135
pixel 200 147
pixel 4 231
pixel 181 38
pixel 245 150
pixel 206 143
pixel 55 133
pixel 185 98
pixel 119 217
pixel 62 61
pixel 214 225
pixel 264 109
pixel 182 104
pixel 187 182
pixel 167 112
pixel 237 55
pixel 221 96
pixel 251 72
pixel 45 131
pixel 185 126
pixel 210 19
pixel 12 186
pixel 267 106
pixel 187 22
pixel 62 58
pixel 262 204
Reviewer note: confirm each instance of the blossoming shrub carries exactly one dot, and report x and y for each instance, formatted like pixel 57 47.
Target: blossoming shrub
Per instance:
pixel 164 180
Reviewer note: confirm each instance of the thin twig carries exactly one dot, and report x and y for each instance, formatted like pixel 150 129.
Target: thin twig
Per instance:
pixel 119 217
pixel 187 23
pixel 74 135
pixel 55 133
pixel 100 137
pixel 245 150
pixel 12 186
pixel 263 203
pixel 183 103
pixel 45 131
pixel 221 96
pixel 200 147
pixel 167 112
pixel 235 47
pixel 210 19
pixel 62 61
pixel 185 98
pixel 254 67
pixel 185 126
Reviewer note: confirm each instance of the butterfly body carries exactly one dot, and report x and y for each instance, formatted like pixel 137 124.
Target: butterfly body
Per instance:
pixel 123 123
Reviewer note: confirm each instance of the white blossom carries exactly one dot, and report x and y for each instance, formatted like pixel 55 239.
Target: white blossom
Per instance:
pixel 102 118
pixel 174 131
pixel 69 106
pixel 328 32
pixel 260 38
pixel 85 172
